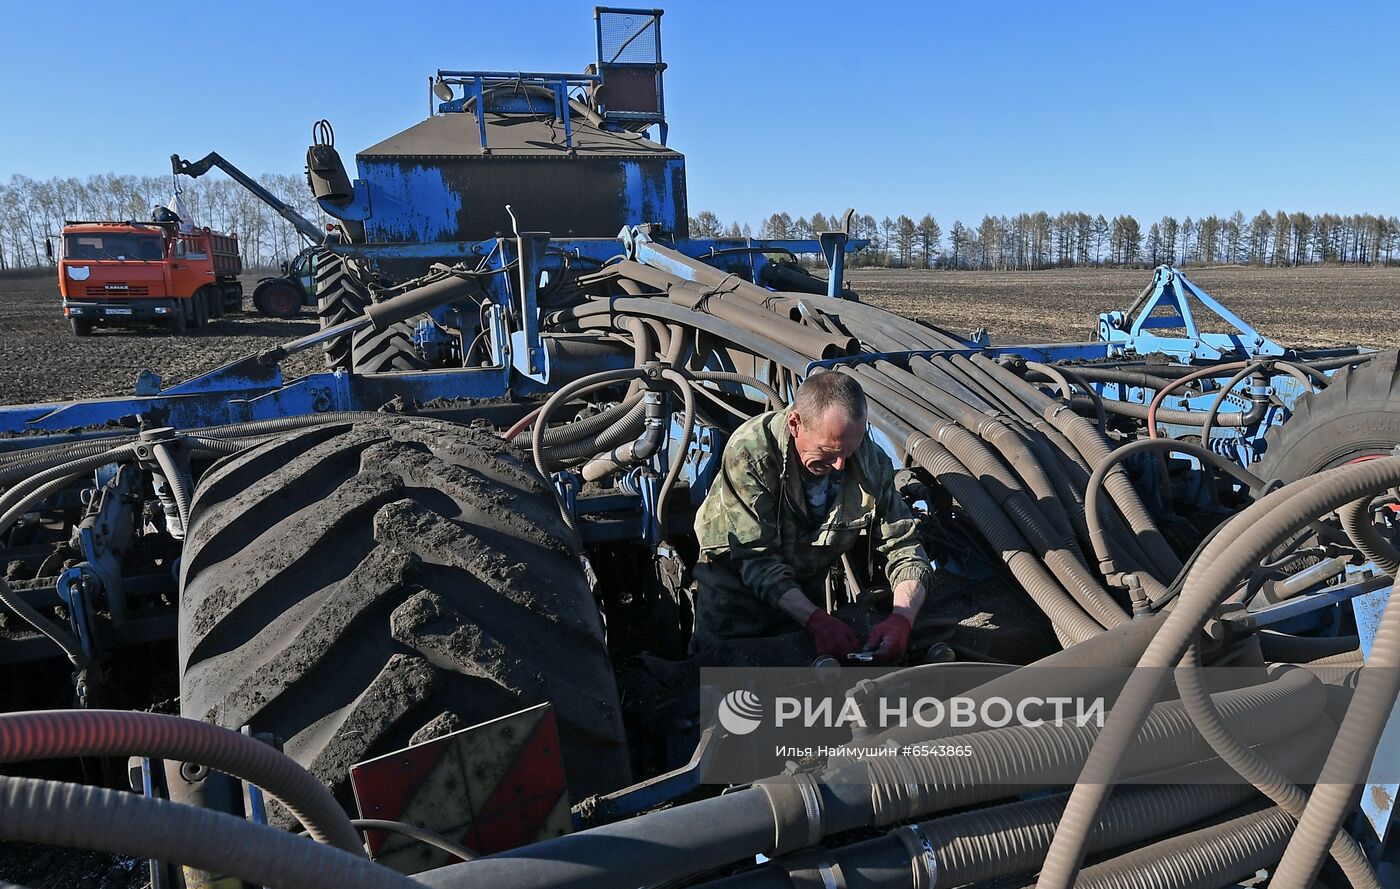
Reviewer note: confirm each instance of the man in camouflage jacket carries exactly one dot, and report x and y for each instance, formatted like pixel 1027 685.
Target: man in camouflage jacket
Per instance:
pixel 796 490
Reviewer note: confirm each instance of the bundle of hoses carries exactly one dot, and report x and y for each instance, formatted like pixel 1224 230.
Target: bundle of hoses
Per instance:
pixel 793 813
pixel 78 816
pixel 1226 560
pixel 1017 461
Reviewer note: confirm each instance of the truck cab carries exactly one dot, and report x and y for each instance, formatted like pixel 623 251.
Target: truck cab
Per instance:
pixel 122 273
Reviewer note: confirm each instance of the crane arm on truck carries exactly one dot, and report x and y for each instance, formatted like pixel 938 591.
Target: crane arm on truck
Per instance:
pixel 308 229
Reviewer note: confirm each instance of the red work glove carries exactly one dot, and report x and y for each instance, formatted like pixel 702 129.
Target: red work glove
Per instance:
pixel 833 637
pixel 889 639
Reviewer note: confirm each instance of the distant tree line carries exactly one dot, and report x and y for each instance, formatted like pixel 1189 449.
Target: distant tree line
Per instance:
pixel 33 209
pixel 1075 239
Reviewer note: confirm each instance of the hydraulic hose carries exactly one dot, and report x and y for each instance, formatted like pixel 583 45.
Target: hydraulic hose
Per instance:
pixel 1180 418
pixel 775 401
pixel 1097 536
pixel 1064 376
pixel 120 454
pixel 175 479
pixel 50 734
pixel 1215 370
pixel 682 446
pixel 1264 525
pixel 580 386
pixel 58 635
pixel 1202 859
pixel 83 817
pixel 32 497
pixel 1208 422
pixel 621 430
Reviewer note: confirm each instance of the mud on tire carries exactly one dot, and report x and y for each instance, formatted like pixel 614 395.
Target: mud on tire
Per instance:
pixel 351 588
pixel 1357 414
pixel 340 296
pixel 376 351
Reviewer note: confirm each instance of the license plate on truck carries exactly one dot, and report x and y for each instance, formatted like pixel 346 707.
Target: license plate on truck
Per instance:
pixel 118 311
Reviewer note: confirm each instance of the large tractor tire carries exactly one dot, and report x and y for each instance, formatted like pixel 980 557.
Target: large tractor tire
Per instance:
pixel 1357 415
pixel 340 296
pixel 354 587
pixel 377 351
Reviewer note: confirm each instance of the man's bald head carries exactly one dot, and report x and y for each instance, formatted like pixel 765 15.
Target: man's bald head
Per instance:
pixel 827 422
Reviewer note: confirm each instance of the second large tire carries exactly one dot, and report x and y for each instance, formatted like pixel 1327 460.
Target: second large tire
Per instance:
pixel 378 351
pixel 1357 415
pixel 340 296
pixel 352 587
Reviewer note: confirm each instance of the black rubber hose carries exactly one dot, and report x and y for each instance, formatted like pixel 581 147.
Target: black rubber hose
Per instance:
pixel 1285 648
pixel 27 463
pixel 32 497
pixel 585 428
pixel 175 480
pixel 1180 418
pixel 58 635
pixel 1001 841
pixel 78 816
pixel 672 844
pixel 775 401
pixel 1137 379
pixel 1207 858
pixel 16 494
pixel 1208 422
pixel 621 430
pixel 580 386
pixel 642 851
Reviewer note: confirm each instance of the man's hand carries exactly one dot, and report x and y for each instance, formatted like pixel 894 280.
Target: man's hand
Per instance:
pixel 889 639
pixel 833 636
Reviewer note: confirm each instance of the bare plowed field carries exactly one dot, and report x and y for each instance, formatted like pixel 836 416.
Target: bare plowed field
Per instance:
pixel 43 361
pixel 1296 307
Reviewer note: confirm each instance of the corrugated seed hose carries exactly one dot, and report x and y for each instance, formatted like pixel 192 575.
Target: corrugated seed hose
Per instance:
pixel 1250 536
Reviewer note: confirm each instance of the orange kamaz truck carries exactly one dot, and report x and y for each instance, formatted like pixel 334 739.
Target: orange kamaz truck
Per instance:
pixel 160 272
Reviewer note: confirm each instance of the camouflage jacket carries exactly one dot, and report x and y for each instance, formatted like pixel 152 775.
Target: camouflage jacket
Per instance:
pixel 757 540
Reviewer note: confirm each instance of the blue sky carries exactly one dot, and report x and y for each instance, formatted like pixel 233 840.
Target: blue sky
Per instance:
pixel 954 109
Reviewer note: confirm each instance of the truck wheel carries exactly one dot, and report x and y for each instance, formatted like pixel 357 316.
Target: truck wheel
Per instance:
pixel 81 326
pixel 377 351
pixel 278 299
pixel 350 587
pixel 1358 414
pixel 340 296
pixel 200 302
pixel 177 323
pixel 216 303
